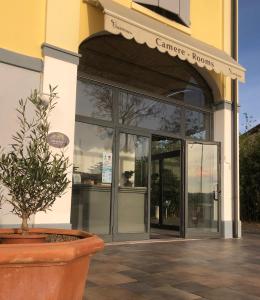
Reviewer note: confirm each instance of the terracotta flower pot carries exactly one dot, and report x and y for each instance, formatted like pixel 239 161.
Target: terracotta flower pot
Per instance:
pixel 46 271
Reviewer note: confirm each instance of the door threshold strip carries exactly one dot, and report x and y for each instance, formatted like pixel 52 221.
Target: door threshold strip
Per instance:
pixel 151 241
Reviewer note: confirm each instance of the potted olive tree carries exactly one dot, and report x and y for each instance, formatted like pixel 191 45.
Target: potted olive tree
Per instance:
pixel 33 176
pixel 50 263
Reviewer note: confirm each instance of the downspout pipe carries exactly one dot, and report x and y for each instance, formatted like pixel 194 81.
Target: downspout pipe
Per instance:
pixel 234 89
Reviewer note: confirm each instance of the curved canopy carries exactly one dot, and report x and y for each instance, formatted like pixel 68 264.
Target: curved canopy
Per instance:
pixel 134 25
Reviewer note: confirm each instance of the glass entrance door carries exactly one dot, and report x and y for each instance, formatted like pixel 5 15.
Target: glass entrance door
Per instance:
pixel 110 189
pixel 203 189
pixel 166 183
pixel 92 179
pixel 131 210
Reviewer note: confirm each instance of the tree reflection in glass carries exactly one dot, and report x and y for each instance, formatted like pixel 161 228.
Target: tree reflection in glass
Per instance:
pixel 196 125
pixel 137 110
pixel 94 100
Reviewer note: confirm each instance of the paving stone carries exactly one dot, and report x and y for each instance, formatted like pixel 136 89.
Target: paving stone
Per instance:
pixel 191 286
pixel 139 287
pixel 227 294
pixel 247 289
pixel 213 269
pixel 111 293
pixel 109 279
pixel 177 294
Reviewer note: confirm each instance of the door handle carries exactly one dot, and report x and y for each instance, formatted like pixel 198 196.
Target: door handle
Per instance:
pixel 216 193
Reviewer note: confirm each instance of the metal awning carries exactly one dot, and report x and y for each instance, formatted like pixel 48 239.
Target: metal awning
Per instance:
pixel 134 25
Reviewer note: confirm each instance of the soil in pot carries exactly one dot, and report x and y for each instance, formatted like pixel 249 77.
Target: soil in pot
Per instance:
pixel 17 238
pixel 31 238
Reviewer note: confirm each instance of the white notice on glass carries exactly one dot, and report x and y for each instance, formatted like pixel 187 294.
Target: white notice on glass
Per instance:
pixel 107 167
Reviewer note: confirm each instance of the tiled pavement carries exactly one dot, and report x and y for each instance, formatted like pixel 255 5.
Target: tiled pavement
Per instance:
pixel 197 269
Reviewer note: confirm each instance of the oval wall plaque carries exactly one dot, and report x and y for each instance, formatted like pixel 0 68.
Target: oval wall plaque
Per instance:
pixel 57 140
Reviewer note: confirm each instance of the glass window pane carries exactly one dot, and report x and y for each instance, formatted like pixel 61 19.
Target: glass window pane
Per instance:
pixel 171 191
pixel 156 191
pixel 196 125
pixel 137 110
pixel 94 100
pixel 190 94
pixel 203 187
pixel 133 183
pixel 92 178
pixel 122 61
pixel 165 182
pixel 161 145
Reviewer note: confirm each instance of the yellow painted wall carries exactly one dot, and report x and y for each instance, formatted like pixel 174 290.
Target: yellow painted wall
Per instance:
pixel 207 21
pixel 25 25
pixel 91 21
pixel 62 23
pixel 22 23
pixel 22 26
pixel 226 81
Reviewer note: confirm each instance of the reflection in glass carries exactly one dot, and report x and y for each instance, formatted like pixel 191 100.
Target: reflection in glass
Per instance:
pixel 165 182
pixel 120 60
pixel 155 192
pixel 171 191
pixel 137 110
pixel 92 178
pixel 162 144
pixel 133 183
pixel 196 124
pixel 203 187
pixel 94 100
pixel 191 94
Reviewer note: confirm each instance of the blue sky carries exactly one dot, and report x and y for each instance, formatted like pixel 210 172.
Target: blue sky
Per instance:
pixel 249 57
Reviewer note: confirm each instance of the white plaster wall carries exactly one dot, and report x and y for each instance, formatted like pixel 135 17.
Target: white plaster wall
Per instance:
pixel 64 75
pixel 16 83
pixel 222 133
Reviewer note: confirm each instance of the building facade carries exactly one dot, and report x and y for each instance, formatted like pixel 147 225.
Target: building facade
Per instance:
pixel 148 99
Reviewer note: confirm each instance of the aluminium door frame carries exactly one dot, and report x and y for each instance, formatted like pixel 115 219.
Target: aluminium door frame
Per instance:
pixel 201 234
pixel 144 132
pixel 182 213
pixel 116 236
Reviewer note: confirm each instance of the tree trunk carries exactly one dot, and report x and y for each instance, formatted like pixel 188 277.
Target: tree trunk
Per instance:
pixel 24 225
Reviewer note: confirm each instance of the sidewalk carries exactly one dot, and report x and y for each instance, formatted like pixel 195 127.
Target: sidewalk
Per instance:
pixel 195 269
